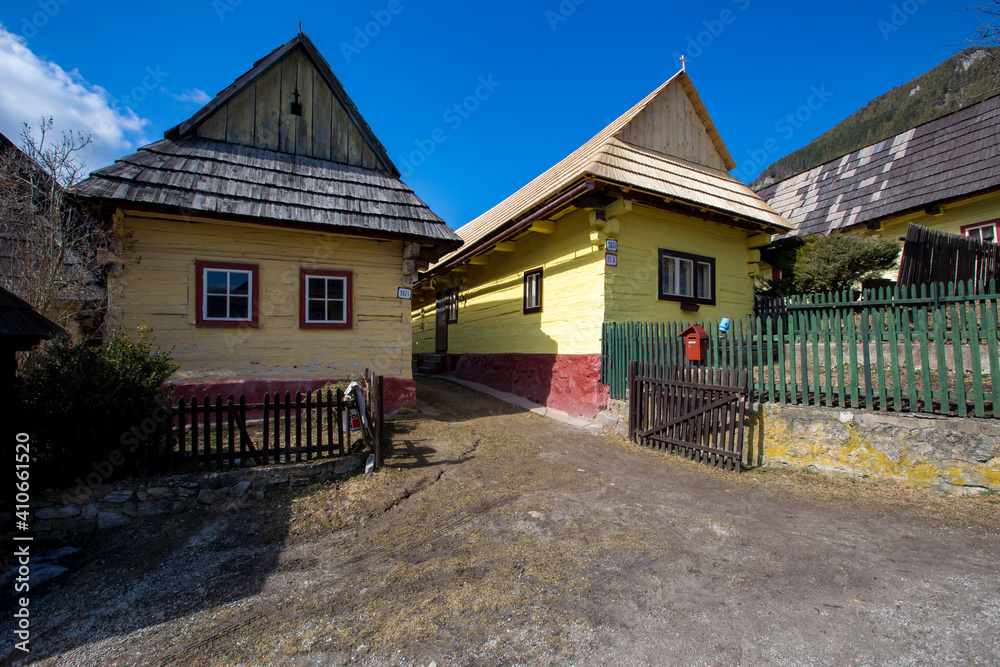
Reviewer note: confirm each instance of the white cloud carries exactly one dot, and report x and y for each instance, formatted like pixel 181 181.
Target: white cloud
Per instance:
pixel 193 96
pixel 32 88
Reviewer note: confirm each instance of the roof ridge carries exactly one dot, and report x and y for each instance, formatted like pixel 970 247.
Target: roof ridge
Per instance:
pixel 596 142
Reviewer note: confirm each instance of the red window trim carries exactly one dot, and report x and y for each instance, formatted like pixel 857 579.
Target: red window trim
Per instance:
pixel 303 298
pixel 199 286
pixel 541 278
pixel 964 229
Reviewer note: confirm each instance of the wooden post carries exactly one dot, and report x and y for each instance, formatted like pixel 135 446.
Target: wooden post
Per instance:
pixel 340 421
pixel 379 415
pixel 633 399
pixel 181 435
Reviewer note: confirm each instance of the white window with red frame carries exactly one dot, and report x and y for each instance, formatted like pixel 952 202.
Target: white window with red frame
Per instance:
pixel 982 231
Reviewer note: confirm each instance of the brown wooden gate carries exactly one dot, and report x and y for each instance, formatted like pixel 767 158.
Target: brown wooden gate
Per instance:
pixel 695 412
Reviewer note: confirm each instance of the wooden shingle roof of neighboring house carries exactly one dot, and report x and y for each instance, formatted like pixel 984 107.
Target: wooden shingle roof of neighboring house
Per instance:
pixel 943 160
pixel 650 149
pixel 20 326
pixel 250 155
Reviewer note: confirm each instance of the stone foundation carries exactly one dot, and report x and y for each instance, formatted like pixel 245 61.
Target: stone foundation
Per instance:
pixel 89 508
pixel 958 455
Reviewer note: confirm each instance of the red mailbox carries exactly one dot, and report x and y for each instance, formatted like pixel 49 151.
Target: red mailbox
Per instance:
pixel 695 343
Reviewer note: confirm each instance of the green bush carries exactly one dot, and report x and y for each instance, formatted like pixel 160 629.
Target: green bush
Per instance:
pixel 62 384
pixel 84 374
pixel 841 261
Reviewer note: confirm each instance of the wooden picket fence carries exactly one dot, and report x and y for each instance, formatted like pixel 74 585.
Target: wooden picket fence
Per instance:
pixel 931 349
pixel 139 439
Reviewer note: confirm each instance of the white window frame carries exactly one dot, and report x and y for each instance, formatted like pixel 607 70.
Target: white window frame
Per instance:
pixel 326 299
pixel 229 294
pixel 989 224
pixel 685 269
pixel 533 291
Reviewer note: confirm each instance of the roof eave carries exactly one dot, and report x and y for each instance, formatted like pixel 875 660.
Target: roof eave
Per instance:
pixel 129 205
pixel 498 234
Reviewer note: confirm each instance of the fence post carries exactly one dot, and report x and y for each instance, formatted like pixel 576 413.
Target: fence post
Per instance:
pixel 633 399
pixel 340 420
pixel 379 416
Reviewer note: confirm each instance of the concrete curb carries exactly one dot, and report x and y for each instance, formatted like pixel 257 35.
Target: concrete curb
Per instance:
pixel 521 402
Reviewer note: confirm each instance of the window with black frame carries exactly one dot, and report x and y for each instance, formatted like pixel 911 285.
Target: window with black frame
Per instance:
pixel 532 291
pixel 686 277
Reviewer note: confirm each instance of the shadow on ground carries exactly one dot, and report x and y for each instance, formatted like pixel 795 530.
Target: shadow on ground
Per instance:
pixel 157 570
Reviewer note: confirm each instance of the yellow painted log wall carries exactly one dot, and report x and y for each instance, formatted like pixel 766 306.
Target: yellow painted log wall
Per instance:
pixel 423 323
pixel 490 317
pixel 954 217
pixel 159 289
pixel 632 286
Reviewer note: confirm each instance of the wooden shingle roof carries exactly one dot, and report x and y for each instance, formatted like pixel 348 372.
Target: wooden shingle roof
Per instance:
pixel 256 154
pixel 948 158
pixel 204 177
pixel 621 154
pixel 20 325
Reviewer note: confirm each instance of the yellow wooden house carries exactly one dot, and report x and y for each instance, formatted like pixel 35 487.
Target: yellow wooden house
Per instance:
pixel 943 174
pixel 269 236
pixel 642 222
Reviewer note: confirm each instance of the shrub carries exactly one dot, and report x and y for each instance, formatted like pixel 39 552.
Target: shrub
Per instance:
pixel 84 374
pixel 81 375
pixel 841 261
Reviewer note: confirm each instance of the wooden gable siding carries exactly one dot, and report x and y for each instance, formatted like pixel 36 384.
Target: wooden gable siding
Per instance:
pixel 670 124
pixel 160 290
pixel 490 312
pixel 260 116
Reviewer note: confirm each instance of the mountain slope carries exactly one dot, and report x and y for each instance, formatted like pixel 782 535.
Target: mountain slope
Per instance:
pixel 963 79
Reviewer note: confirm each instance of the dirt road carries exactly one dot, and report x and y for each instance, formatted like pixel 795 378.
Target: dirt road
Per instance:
pixel 497 537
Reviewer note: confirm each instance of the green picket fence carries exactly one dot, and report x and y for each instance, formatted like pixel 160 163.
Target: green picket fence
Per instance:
pixel 931 349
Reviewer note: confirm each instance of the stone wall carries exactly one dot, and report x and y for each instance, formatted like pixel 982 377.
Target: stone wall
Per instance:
pixel 960 455
pixel 89 508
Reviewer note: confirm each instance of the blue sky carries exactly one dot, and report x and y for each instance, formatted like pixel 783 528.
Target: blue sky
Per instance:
pixel 558 71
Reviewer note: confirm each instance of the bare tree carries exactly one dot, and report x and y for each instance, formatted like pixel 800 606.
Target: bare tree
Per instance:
pixel 49 248
pixel 987 35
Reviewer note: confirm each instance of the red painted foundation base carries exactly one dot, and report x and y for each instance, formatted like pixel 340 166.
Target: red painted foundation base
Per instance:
pixel 567 382
pixel 398 392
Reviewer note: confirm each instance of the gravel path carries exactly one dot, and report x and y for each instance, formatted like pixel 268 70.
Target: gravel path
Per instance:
pixel 495 536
